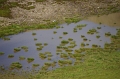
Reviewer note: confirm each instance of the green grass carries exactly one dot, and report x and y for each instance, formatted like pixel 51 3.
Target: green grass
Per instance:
pixel 74 19
pixel 10 56
pixel 30 59
pixel 2 53
pixel 5 13
pixel 15 29
pixel 98 65
pixel 15 65
pixel 35 65
pixel 21 58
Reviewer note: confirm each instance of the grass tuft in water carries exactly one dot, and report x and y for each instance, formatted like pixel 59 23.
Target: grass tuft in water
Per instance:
pixel 15 65
pixel 2 53
pixel 30 59
pixel 10 56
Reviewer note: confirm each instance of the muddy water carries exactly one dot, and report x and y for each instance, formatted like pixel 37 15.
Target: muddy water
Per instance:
pixel 47 36
pixel 110 19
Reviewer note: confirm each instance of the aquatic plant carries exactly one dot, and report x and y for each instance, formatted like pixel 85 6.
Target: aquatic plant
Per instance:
pixel 35 39
pixel 21 57
pixel 82 44
pixel 25 48
pixel 42 55
pixel 70 39
pixel 39 48
pixel 64 55
pixel 54 32
pixel 75 30
pixel 49 58
pixel 33 33
pixel 98 36
pixel 49 55
pixel 48 63
pixel 87 44
pixel 2 53
pixel 5 38
pixel 98 27
pixel 65 41
pixel 60 37
pixel 81 25
pixel 35 65
pixel 92 31
pixel 58 50
pixel 94 45
pixel 47 52
pixel 45 44
pixel 108 34
pixel 17 49
pixel 82 36
pixel 10 56
pixel 85 39
pixel 65 33
pixel 38 44
pixel 30 59
pixel 15 65
pixel 68 50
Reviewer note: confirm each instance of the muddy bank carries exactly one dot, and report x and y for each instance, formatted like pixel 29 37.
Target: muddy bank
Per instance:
pixel 51 10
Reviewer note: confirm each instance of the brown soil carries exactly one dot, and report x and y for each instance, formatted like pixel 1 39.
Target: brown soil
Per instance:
pixel 51 10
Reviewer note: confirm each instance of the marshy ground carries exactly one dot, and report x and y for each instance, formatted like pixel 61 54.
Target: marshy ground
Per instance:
pixel 74 50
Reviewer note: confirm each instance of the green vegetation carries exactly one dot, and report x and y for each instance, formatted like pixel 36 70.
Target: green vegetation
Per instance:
pixel 17 49
pixel 98 27
pixel 64 41
pixel 35 39
pixel 2 53
pixel 10 56
pixel 30 59
pixel 25 48
pixel 82 36
pixel 82 44
pixel 60 37
pixel 92 31
pixel 54 32
pixel 108 34
pixel 35 65
pixel 74 19
pixel 21 58
pixel 38 44
pixel 85 39
pixel 15 29
pixel 6 38
pixel 65 33
pixel 42 55
pixel 70 39
pixel 45 44
pixel 33 33
pixel 94 45
pixel 98 36
pixel 15 65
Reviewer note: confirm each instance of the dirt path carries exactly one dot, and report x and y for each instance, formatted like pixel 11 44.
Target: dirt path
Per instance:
pixel 51 10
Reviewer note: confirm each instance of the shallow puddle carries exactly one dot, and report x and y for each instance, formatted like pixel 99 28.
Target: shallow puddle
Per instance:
pixel 110 19
pixel 53 40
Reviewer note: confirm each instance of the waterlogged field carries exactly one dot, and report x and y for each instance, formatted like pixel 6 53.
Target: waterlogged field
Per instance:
pixel 65 45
